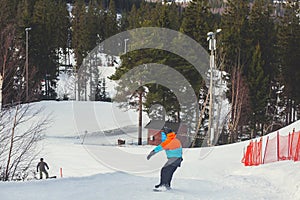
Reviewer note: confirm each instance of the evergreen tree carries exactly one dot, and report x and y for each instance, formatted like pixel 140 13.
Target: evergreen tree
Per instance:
pixel 101 94
pixel 80 32
pixel 145 16
pixel 11 65
pixel 289 42
pixel 262 30
pixel 163 19
pixel 24 15
pixel 42 51
pixel 48 35
pixel 7 12
pixel 92 24
pixel 110 20
pixel 133 18
pixel 258 90
pixel 236 42
pixel 197 21
pixel 160 16
pixel 168 16
pixel 62 26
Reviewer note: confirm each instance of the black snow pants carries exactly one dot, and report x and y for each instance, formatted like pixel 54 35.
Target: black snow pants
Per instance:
pixel 168 170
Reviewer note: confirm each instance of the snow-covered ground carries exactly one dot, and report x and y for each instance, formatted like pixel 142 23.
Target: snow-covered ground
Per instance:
pixel 94 167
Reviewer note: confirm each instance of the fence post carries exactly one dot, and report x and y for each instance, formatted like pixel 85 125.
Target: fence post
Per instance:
pixel 260 150
pixel 254 153
pixel 60 171
pixel 292 146
pixel 277 145
pixel 296 157
pixel 266 147
pixel 289 146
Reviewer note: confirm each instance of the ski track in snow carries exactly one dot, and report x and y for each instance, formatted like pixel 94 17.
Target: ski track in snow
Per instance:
pixel 125 186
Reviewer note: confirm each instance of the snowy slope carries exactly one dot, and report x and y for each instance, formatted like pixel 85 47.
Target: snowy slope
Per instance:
pixel 92 171
pixel 73 118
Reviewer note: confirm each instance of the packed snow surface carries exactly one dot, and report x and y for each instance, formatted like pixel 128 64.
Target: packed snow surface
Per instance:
pixel 82 142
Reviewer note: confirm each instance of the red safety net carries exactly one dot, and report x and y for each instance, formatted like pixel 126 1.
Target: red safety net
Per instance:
pixel 271 154
pixel 277 148
pixel 284 147
pixel 247 159
pixel 295 146
pixel 253 155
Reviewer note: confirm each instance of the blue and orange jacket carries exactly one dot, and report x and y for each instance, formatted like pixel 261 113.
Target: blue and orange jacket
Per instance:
pixel 171 145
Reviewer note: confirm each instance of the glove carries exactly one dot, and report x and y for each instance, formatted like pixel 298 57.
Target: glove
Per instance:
pixel 150 154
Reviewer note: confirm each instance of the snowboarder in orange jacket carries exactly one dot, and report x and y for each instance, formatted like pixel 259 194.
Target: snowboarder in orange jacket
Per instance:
pixel 173 149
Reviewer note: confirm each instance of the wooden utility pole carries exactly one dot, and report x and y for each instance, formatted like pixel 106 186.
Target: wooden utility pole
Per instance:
pixel 140 93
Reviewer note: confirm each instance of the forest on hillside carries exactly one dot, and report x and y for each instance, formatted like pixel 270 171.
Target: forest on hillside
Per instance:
pixel 258 47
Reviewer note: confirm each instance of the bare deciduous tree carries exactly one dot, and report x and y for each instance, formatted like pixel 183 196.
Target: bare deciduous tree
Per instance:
pixel 21 129
pixel 238 101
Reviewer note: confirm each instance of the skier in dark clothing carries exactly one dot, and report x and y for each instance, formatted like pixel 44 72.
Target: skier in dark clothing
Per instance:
pixel 173 149
pixel 42 168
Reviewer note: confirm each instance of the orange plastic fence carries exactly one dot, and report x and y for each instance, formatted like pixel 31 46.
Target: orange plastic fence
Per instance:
pixel 271 151
pixel 284 147
pixel 295 146
pixel 253 154
pixel 277 148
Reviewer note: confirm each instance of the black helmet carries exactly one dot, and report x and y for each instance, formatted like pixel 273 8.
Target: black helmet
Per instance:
pixel 167 130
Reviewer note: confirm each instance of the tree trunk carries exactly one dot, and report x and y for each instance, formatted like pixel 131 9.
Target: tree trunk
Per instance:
pixel 238 92
pixel 11 145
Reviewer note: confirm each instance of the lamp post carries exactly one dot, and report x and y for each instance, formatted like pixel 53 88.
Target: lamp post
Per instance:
pixel 212 47
pixel 26 62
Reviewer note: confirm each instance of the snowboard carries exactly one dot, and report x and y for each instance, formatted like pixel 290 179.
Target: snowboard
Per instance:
pixel 161 189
